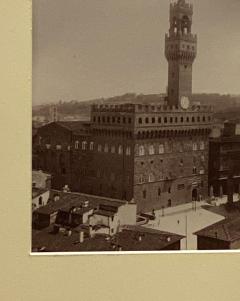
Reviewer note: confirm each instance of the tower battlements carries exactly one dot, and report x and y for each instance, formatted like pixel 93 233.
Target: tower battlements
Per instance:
pixel 181 7
pixel 121 108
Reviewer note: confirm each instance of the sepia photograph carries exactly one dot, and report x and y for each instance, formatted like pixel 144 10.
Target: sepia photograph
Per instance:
pixel 135 126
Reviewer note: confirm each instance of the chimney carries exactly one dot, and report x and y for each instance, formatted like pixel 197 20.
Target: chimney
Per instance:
pixel 56 198
pixel 81 237
pixel 91 232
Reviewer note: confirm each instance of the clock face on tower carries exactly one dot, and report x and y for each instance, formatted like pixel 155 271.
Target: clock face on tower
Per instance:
pixel 184 102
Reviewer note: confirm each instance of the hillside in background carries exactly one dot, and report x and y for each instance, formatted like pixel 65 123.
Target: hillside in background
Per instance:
pixel 225 106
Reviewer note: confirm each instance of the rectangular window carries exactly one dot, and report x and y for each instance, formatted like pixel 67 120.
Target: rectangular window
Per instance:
pixel 144 194
pixel 181 186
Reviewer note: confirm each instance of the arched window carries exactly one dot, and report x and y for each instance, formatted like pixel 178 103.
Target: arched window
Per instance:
pixel 161 149
pixel 202 145
pixel 106 148
pixel 194 146
pixel 141 150
pixel 76 144
pixel 159 191
pixel 120 150
pixel 91 146
pixel 141 179
pixel 113 149
pixel 194 170
pixel 128 151
pixel 140 120
pixel 99 148
pixel 181 148
pixel 84 145
pixel 146 120
pixel 40 201
pixel 151 150
pixel 151 177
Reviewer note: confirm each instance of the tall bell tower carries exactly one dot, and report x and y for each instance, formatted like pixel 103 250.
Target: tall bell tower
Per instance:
pixel 180 51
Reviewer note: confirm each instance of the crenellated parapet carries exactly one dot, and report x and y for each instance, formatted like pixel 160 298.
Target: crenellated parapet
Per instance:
pixel 121 108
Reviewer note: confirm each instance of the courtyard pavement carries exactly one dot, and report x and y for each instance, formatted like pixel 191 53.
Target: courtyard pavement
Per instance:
pixel 187 219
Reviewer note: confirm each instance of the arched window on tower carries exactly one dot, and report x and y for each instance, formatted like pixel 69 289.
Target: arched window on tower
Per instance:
pixel 185 25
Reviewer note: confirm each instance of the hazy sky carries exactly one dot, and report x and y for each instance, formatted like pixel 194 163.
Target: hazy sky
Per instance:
pixel 85 49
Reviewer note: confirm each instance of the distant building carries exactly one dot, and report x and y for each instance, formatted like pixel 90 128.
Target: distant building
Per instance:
pixel 54 114
pixel 224 235
pixel 224 161
pixel 61 149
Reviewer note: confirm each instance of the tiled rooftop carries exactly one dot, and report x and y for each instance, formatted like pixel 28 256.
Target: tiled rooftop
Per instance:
pixel 127 240
pixel 226 230
pixel 68 200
